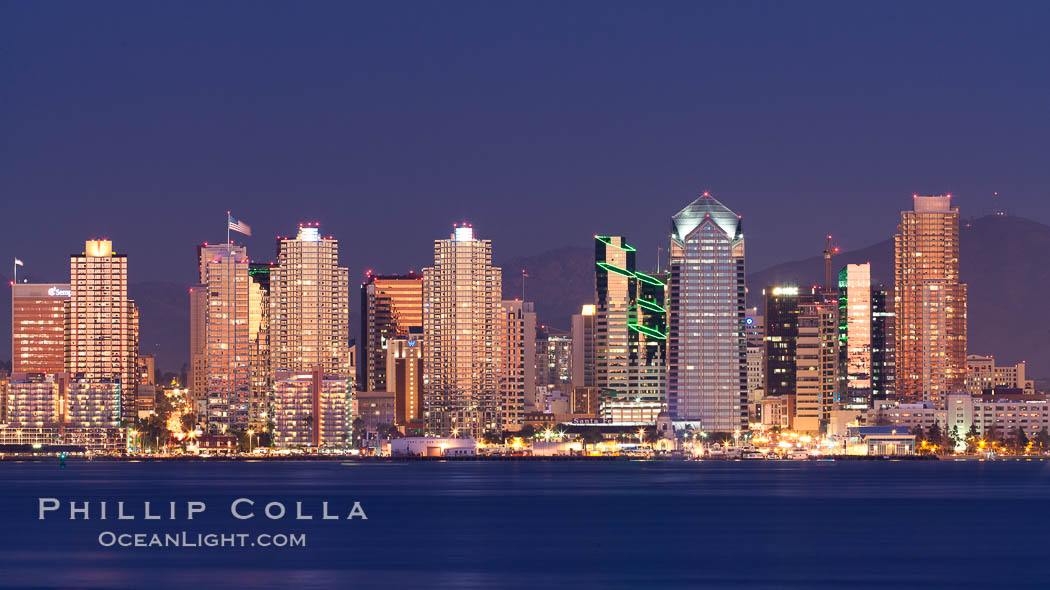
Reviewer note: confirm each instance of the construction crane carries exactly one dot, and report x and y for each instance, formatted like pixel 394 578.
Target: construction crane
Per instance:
pixel 829 249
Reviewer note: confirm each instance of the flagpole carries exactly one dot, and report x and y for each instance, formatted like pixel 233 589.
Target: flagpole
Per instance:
pixel 229 246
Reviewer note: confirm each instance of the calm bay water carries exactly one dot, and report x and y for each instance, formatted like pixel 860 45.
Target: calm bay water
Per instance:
pixel 534 524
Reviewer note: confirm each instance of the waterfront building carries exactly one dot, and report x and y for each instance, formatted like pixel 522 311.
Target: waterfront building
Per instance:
pixel 583 347
pixel 375 409
pixel 461 308
pixel 621 411
pixel 516 381
pixel 929 302
pixel 309 409
pixel 36 400
pixel 391 307
pixel 1004 414
pixel 101 337
pixel 585 402
pixel 404 378
pixel 309 307
pixel 38 323
pixel 707 343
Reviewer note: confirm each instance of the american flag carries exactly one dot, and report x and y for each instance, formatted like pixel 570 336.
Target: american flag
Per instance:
pixel 238 226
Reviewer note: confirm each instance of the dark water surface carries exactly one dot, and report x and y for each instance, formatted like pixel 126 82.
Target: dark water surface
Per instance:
pixel 533 524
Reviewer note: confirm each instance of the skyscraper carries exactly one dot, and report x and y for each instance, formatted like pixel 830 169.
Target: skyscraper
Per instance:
pixel 855 334
pixel 707 342
pixel 391 306
pixel 517 367
pixel 198 369
pixel 259 344
pixel 404 378
pixel 756 361
pixel 38 320
pixel 309 308
pixel 102 337
pixel 461 305
pixel 227 348
pixel 583 334
pixel 816 362
pixel 630 324
pixel 929 302
pixel 883 344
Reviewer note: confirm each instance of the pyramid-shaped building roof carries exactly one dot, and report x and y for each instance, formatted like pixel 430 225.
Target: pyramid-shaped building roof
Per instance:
pixel 706 206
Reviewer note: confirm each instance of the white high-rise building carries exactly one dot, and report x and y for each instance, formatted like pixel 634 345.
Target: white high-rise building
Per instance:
pixel 461 307
pixel 309 307
pixel 707 341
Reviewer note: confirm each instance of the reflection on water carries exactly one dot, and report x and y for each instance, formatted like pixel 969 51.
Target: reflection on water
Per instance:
pixel 546 524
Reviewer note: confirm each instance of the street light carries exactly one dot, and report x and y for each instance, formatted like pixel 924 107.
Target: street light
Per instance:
pixel 251 432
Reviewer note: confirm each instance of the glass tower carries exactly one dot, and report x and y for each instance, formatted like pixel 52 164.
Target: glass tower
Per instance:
pixel 707 341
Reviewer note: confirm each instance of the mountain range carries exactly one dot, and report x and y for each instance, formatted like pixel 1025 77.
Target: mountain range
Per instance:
pixel 1001 257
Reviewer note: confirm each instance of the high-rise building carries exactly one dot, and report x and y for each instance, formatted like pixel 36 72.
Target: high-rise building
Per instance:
pixel 38 320
pixel 929 302
pixel 309 409
pixel 707 341
pixel 855 334
pixel 101 337
pixel 553 362
pixel 461 307
pixel 583 348
pixel 404 378
pixel 259 344
pixel 816 363
pixel 391 306
pixel 309 308
pixel 630 325
pixel 883 344
pixel 755 328
pixel 198 369
pixel 227 350
pixel 783 305
pixel 517 369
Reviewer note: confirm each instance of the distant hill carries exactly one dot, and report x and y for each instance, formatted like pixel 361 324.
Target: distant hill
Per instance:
pixel 1002 262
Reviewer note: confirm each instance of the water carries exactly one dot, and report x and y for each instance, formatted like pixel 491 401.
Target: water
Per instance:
pixel 533 524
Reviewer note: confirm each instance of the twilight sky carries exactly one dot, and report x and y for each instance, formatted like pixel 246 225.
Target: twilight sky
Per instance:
pixel 542 123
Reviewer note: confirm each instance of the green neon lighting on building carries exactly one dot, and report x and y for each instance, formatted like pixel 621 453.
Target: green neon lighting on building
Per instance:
pixel 646 304
pixel 616 269
pixel 651 332
pixel 606 240
pixel 648 279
